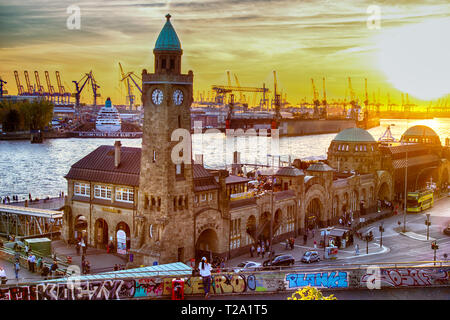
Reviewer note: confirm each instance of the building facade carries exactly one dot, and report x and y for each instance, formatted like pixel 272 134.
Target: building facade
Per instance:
pixel 173 209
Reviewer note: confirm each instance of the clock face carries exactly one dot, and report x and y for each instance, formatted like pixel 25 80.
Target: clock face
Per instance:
pixel 178 97
pixel 157 96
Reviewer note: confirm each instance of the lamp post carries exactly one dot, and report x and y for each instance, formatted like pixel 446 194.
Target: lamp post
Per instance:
pixel 406 182
pixel 381 228
pixel 428 223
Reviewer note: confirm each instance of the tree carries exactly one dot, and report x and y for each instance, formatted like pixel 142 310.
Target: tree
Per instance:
pixel 310 293
pixel 37 113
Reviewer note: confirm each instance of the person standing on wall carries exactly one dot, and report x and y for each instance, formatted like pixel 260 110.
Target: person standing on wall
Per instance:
pixel 205 273
pixel 3 275
pixel 16 269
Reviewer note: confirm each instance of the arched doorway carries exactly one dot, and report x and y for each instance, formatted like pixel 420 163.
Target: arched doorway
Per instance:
pixel 277 222
pixel 251 228
pixel 207 245
pixel 101 234
pixel 383 192
pixel 313 213
pixel 264 226
pixel 80 228
pixel 125 228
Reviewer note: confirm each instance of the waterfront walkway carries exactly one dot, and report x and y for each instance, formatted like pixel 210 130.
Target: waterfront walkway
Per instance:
pixel 55 203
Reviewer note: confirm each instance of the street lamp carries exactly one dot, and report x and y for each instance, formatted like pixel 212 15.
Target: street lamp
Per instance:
pixel 367 238
pixel 381 228
pixel 428 224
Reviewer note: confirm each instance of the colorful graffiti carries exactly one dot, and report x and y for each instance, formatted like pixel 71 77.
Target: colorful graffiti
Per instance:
pixel 321 279
pixel 408 277
pixel 227 283
pixel 87 290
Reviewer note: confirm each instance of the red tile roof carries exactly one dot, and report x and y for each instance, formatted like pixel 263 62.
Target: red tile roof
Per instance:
pixel 99 166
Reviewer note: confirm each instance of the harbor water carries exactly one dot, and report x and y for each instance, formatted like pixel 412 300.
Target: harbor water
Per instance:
pixel 39 169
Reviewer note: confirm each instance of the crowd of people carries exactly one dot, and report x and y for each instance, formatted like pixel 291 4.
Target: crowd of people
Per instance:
pixel 15 198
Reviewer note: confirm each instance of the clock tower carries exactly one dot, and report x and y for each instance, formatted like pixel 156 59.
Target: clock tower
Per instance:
pixel 164 223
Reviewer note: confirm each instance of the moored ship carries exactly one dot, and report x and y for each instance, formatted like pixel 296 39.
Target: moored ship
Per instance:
pixel 108 118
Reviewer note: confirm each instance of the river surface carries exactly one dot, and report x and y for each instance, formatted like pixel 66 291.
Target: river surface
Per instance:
pixel 39 169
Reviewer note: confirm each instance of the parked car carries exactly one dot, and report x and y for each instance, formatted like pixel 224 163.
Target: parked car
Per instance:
pixel 280 261
pixel 248 266
pixel 310 256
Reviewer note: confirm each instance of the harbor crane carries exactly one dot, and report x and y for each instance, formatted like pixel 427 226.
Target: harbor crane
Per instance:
pixel 20 89
pixel 366 95
pixel 39 88
pixel 65 96
pixel 324 101
pixel 316 101
pixel 50 88
pixel 88 77
pixel 27 80
pixel 223 90
pixel 2 83
pixel 127 77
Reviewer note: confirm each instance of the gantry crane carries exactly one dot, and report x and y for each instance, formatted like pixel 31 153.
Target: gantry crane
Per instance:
pixel 2 83
pixel 65 96
pixel 20 89
pixel 324 101
pixel 27 80
pixel 131 98
pixel 316 101
pixel 51 90
pixel 40 89
pixel 366 95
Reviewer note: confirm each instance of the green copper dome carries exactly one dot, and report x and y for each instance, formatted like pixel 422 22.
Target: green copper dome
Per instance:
pixel 354 135
pixel 168 39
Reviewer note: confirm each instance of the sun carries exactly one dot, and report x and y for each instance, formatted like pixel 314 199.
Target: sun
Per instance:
pixel 415 58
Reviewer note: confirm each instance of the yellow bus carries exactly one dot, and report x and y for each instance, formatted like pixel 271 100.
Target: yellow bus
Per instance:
pixel 419 201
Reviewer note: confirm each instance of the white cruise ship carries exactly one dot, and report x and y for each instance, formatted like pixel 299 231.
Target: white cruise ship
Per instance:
pixel 108 118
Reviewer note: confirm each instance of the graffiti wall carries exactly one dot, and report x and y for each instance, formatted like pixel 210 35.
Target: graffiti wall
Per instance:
pixel 407 277
pixel 319 279
pixel 229 283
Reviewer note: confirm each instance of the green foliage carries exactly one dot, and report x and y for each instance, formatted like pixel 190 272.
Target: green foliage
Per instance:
pixel 25 115
pixel 310 293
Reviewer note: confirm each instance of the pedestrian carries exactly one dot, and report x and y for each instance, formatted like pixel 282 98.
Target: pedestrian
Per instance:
pixel 267 243
pixel 205 273
pixel 315 244
pixel 45 271
pixel 3 275
pixel 356 249
pixel 258 250
pixel 29 262
pixel 32 262
pixel 287 244
pixel 116 267
pixel 39 264
pixel 26 249
pixel 340 221
pixel 83 246
pixel 313 233
pixel 78 247
pixel 305 239
pixel 292 243
pixel 17 268
pixel 53 268
pixel 252 249
pixel 263 249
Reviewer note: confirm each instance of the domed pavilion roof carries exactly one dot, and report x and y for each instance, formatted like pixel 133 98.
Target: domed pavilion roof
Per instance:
pixel 168 39
pixel 423 134
pixel 354 135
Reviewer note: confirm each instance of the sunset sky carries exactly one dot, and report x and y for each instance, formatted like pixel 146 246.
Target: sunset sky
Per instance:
pixel 300 39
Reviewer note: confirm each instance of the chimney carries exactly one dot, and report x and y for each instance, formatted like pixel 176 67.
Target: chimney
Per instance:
pixel 117 146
